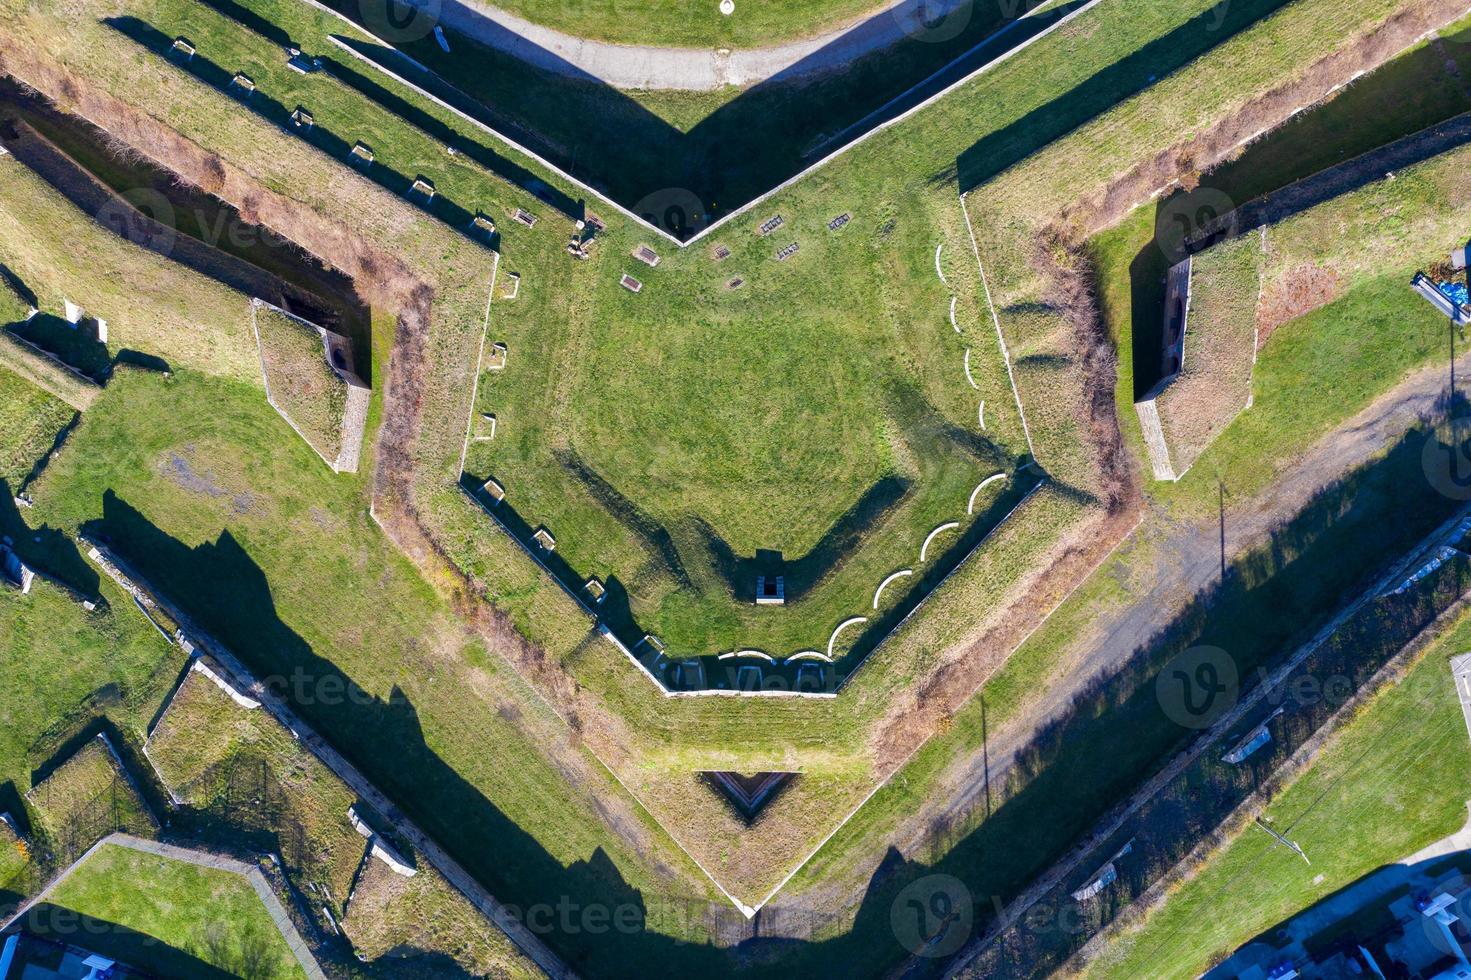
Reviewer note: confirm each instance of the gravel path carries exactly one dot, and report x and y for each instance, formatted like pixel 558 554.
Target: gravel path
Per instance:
pixel 694 69
pixel 1185 559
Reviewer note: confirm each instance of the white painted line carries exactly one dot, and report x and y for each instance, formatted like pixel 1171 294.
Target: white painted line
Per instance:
pixel 967 371
pixel 953 324
pixel 938 271
pixel 970 507
pixel 903 572
pixel 982 414
pixel 479 360
pixel 950 525
pixel 1005 355
pixel 842 626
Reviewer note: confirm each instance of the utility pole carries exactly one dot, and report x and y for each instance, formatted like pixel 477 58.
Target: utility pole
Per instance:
pixel 1221 490
pixel 1290 845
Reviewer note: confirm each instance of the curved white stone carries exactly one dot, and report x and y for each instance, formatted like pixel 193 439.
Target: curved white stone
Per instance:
pixel 747 653
pixel 938 272
pixel 901 573
pixel 982 413
pixel 926 546
pixel 842 626
pixel 967 371
pixel 810 655
pixel 952 315
pixel 971 505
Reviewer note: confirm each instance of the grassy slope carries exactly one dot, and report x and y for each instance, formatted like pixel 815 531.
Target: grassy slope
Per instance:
pixel 1372 332
pixel 213 915
pixel 210 753
pixel 1379 108
pixel 29 422
pixel 1220 345
pixel 300 381
pixel 151 304
pixel 254 529
pixel 392 918
pixel 86 797
pixel 1368 799
pixel 1126 40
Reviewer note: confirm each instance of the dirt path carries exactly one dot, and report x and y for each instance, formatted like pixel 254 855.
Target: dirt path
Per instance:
pixel 1183 558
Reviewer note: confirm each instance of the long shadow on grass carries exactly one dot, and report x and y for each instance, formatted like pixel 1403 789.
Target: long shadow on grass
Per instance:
pixel 224 590
pixel 1097 749
pixel 741 149
pixel 1093 754
pixel 1132 74
pixel 46 549
pixel 59 924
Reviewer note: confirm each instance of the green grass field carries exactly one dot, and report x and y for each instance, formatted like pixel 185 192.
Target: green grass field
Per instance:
pixel 299 381
pixel 156 908
pixel 30 420
pixel 573 333
pixel 1366 800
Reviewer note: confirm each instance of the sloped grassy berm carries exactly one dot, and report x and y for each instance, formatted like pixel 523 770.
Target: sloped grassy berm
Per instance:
pixel 86 798
pixel 245 770
pixel 29 422
pixel 238 764
pixel 299 381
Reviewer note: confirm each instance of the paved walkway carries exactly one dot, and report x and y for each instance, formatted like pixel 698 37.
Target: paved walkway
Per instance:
pixel 279 916
pixel 695 69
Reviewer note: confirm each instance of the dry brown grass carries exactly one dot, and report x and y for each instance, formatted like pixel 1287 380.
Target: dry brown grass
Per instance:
pixel 403 925
pixel 1299 291
pixel 1182 162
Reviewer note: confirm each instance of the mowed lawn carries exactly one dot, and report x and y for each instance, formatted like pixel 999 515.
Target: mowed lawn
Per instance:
pixel 1391 782
pixel 30 420
pixel 174 919
pixel 821 411
pixel 226 512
